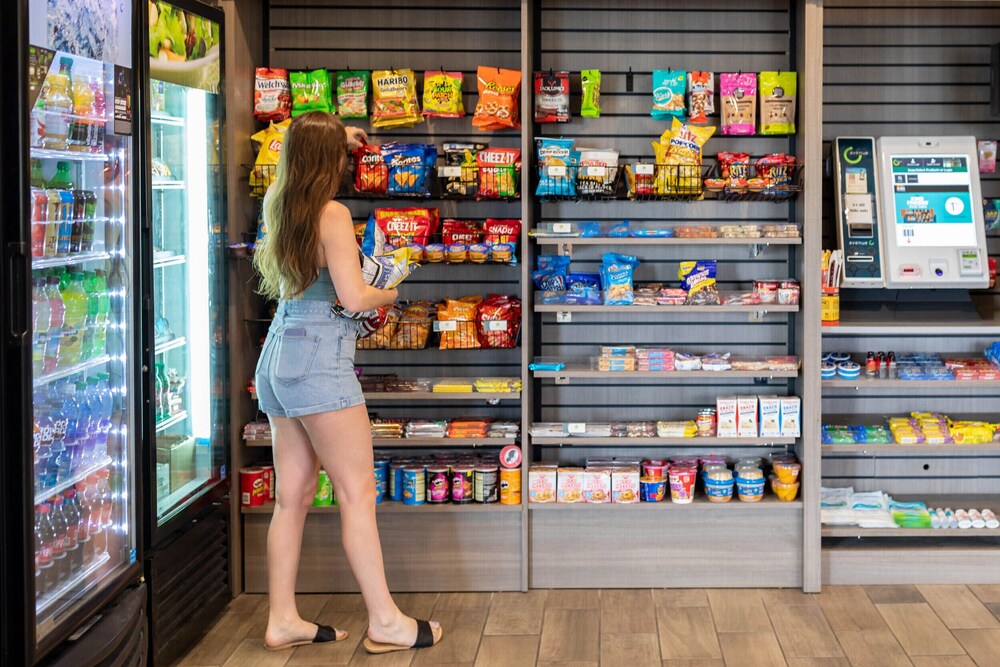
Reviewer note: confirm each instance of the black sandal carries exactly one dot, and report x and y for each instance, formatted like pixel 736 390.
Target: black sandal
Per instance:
pixel 425 639
pixel 324 635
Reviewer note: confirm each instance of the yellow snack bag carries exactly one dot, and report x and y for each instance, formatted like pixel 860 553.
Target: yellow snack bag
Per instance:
pixel 443 94
pixel 681 173
pixel 270 140
pixel 394 99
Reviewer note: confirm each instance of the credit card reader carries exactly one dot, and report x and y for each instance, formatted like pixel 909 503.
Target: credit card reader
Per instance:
pixel 932 224
pixel 856 183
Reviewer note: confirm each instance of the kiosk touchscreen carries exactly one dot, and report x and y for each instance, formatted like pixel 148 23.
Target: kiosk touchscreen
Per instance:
pixel 932 221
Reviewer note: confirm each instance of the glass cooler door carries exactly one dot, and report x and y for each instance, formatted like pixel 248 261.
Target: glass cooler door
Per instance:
pixel 188 287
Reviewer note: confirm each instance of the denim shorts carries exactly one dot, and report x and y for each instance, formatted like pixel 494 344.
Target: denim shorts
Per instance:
pixel 307 364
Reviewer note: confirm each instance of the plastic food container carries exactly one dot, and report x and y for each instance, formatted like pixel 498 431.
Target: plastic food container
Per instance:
pixel 787 472
pixel 682 484
pixel 785 492
pixel 750 486
pixel 652 489
pixel 719 486
pixel 654 469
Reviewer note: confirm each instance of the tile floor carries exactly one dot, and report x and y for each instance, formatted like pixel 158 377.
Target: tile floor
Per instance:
pixel 849 626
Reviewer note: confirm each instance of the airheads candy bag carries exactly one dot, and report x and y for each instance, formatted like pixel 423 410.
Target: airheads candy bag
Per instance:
pixel 443 94
pixel 394 99
pixel 557 165
pixel 777 102
pixel 406 226
pixel 311 91
pixel 668 93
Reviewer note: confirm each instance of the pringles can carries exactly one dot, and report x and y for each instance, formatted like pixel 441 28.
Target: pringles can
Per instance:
pixel 510 486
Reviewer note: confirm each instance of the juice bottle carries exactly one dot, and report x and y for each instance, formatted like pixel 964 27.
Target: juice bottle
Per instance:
pixel 57 316
pixel 66 69
pixel 83 532
pixel 65 222
pixel 83 109
pixel 75 300
pixel 71 512
pixel 87 348
pixel 39 213
pixel 50 243
pixel 44 578
pixel 41 316
pixel 58 107
pixel 97 127
pixel 59 528
pixel 36 135
pixel 37 177
pixel 100 288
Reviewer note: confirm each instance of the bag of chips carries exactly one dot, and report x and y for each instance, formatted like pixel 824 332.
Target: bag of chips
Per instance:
pixel 461 231
pixel 597 172
pixel 443 94
pixel 502 237
pixel 498 107
pixel 777 102
pixel 371 175
pixel 270 140
pixel 738 96
pixel 461 335
pixel 557 167
pixel 777 171
pixel 352 93
pixel 698 280
pixel 668 93
pixel 394 99
pixel 498 321
pixel 406 226
pixel 414 327
pixel 311 91
pixel 734 168
pixel 701 97
pixel 590 81
pixel 409 167
pixel 460 170
pixel 552 97
pixel 499 173
pixel 679 159
pixel 272 96
pixel 616 277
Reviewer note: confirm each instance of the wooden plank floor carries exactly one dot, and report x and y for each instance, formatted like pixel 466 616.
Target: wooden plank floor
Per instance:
pixel 845 626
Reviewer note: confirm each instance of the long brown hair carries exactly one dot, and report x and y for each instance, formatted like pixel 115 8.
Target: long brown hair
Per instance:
pixel 312 161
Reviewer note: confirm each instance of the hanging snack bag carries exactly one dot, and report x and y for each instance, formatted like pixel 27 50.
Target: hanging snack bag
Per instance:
pixel 460 173
pixel 698 280
pixel 777 102
pixel 498 320
pixel 590 81
pixel 777 171
pixel 616 277
pixel 552 97
pixel 394 99
pixel 738 96
pixel 701 97
pixel 406 226
pixel 597 172
pixel 311 91
pixel 443 94
pixel 371 175
pixel 499 94
pixel 352 93
pixel 409 167
pixel 557 167
pixel 668 93
pixel 499 173
pixel 272 96
pixel 270 140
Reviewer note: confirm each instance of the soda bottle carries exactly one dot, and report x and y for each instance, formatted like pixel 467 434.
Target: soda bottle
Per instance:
pixel 63 178
pixel 83 532
pixel 57 315
pixel 59 528
pixel 79 218
pixel 39 213
pixel 50 243
pixel 37 176
pixel 100 288
pixel 71 511
pixel 93 497
pixel 65 222
pixel 83 108
pixel 75 300
pixel 86 427
pixel 45 578
pixel 41 315
pixel 58 107
pixel 96 141
pixel 89 220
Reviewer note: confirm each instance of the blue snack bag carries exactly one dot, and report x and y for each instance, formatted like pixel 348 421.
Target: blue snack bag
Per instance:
pixel 621 229
pixel 616 277
pixel 557 164
pixel 669 88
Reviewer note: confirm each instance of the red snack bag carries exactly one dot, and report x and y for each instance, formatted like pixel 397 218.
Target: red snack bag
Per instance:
pixel 498 320
pixel 272 95
pixel 371 174
pixel 552 97
pixel 403 226
pixel 499 172
pixel 502 231
pixel 460 231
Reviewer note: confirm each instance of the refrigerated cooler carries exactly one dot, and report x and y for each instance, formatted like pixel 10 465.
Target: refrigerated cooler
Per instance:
pixel 186 513
pixel 70 384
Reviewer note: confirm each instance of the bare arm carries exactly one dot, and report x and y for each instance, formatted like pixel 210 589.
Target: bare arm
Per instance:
pixel 340 248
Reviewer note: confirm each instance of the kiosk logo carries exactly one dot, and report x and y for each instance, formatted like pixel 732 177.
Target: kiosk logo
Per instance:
pixel 854 155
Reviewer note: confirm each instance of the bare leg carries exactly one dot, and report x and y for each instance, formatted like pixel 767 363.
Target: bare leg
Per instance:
pixel 295 467
pixel 342 440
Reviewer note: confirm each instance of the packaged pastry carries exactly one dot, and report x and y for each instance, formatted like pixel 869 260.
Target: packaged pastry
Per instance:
pixel 552 97
pixel 352 93
pixel 701 97
pixel 668 94
pixel 498 107
pixel 738 97
pixel 394 99
pixel 443 94
pixel 590 81
pixel 777 102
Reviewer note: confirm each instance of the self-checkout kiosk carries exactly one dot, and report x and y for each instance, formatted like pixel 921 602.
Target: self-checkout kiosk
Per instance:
pixel 909 213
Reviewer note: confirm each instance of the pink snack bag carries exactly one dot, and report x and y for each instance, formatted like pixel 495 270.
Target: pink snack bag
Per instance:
pixel 738 95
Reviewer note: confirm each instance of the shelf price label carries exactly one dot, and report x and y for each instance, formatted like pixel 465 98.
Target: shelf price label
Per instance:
pixel 453 171
pixel 576 428
pixel 644 169
pixel 596 171
pixel 496 325
pixel 556 170
pixel 562 228
pixel 445 325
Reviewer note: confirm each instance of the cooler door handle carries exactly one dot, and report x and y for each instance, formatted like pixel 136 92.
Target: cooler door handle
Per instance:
pixel 17 268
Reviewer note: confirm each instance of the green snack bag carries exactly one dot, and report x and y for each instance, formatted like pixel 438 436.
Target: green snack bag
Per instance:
pixel 352 93
pixel 311 91
pixel 590 80
pixel 777 102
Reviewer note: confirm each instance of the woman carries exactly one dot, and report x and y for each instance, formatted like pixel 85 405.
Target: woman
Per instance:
pixel 307 386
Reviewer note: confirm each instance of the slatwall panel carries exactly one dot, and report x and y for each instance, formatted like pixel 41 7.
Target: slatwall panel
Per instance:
pixel 428 34
pixel 910 68
pixel 690 35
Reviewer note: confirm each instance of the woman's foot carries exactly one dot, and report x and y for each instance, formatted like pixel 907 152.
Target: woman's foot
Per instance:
pixel 400 632
pixel 296 632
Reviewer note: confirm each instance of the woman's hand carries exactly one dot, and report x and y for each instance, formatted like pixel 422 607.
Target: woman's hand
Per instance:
pixel 356 137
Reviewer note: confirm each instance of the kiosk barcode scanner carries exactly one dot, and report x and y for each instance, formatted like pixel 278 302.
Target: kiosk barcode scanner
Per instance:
pixel 914 218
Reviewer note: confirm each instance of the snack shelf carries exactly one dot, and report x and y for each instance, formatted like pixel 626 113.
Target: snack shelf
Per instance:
pixel 885 322
pixel 582 441
pixel 586 371
pixel 403 443
pixel 854 531
pixel 761 308
pixel 173 260
pixel 913 450
pixel 79 156
pixel 393 507
pixel 769 501
pixel 654 241
pixel 69 260
pixel 172 344
pixel 59 374
pixel 866 383
pixel 441 396
pixel 171 421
